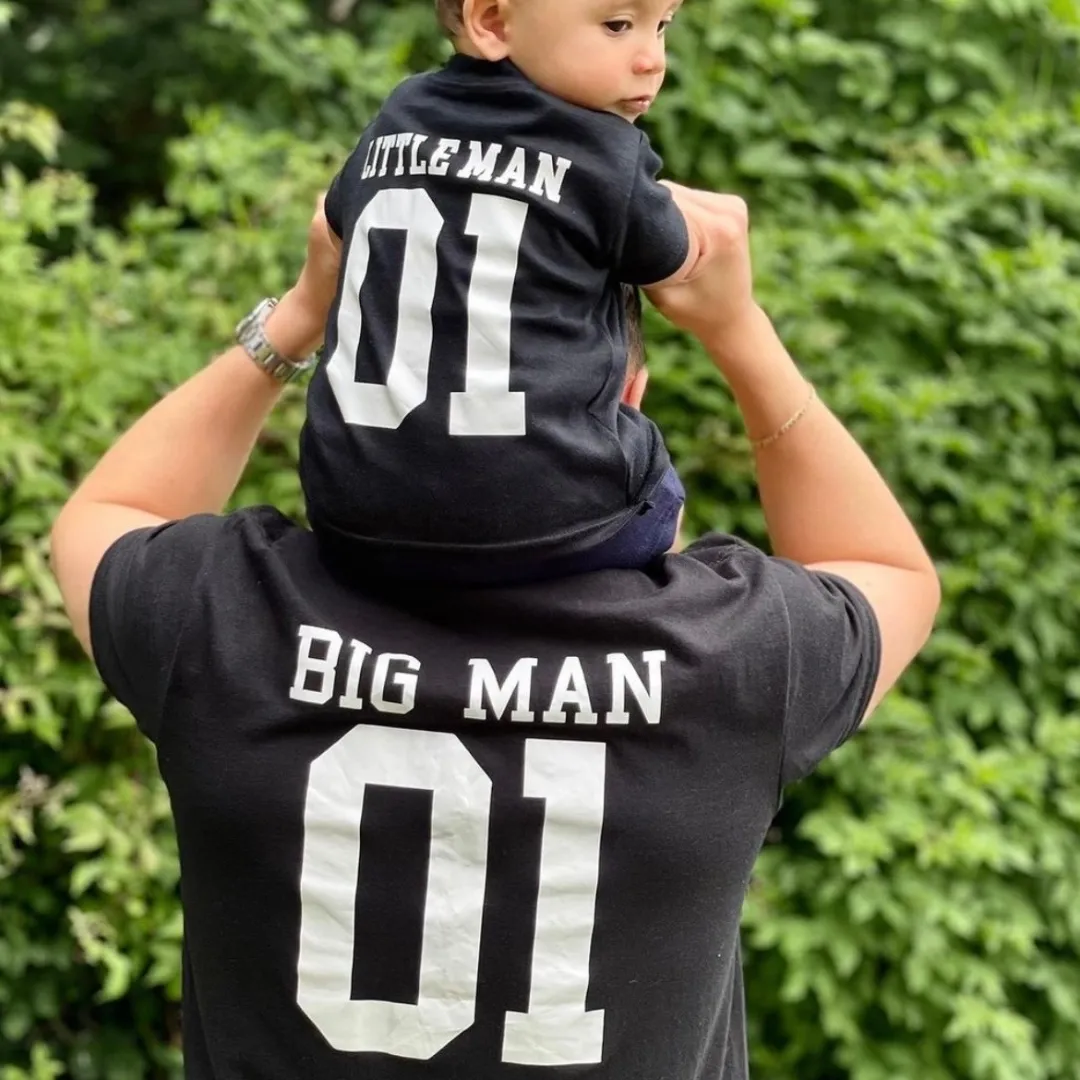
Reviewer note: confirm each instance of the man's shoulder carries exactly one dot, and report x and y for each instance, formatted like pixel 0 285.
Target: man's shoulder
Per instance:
pixel 721 597
pixel 730 559
pixel 158 589
pixel 193 549
pixel 250 529
pixel 247 542
pixel 261 526
pixel 749 602
pixel 773 582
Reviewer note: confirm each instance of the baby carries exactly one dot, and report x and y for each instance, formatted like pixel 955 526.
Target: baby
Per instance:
pixel 468 421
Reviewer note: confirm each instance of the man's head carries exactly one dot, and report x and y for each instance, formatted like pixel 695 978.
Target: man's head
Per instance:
pixel 602 54
pixel 635 333
pixel 637 375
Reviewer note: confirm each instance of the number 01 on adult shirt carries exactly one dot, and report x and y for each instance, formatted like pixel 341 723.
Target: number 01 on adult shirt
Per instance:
pixel 569 777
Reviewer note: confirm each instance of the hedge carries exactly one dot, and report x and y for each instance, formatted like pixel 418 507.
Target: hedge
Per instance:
pixel 911 169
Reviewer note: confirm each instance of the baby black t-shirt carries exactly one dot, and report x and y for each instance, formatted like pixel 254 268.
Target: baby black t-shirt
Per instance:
pixel 469 396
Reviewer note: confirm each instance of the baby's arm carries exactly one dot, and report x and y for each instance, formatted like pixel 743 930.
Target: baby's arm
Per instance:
pixel 697 226
pixel 665 237
pixel 333 207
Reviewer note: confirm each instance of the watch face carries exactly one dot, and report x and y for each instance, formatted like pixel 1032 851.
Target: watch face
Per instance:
pixel 251 319
pixel 251 334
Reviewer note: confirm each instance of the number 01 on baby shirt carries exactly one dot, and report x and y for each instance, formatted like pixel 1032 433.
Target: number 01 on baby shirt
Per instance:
pixel 469 394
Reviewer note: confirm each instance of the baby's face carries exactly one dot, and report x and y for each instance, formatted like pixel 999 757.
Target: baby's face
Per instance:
pixel 603 54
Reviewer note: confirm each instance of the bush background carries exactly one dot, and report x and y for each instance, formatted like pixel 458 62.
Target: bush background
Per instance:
pixel 912 169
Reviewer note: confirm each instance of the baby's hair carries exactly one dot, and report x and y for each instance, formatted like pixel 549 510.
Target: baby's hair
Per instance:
pixel 449 14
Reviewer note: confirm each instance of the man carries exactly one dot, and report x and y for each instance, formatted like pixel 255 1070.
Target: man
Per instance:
pixel 433 833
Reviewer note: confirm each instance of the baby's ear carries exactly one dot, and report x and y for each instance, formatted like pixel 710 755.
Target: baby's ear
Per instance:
pixel 484 27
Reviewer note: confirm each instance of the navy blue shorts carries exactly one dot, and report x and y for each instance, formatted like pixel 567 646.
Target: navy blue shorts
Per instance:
pixel 646 536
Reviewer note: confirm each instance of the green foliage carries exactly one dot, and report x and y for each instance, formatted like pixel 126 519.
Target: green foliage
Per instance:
pixel 910 166
pixel 126 77
pixel 90 950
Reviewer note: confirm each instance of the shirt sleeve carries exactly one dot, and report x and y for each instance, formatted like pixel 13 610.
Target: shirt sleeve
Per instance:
pixel 333 206
pixel 656 239
pixel 141 596
pixel 336 195
pixel 812 649
pixel 834 655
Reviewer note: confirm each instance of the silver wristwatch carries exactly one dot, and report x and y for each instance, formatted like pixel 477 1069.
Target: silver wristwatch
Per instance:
pixel 251 334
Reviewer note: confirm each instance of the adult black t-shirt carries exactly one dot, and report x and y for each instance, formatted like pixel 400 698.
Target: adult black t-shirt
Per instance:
pixel 436 834
pixel 476 351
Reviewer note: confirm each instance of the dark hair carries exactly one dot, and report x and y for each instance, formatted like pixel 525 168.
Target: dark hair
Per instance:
pixel 635 335
pixel 449 15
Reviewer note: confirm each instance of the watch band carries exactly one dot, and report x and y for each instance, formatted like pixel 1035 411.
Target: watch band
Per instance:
pixel 251 334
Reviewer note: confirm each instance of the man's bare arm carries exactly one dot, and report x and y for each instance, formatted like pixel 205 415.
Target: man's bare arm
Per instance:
pixel 826 505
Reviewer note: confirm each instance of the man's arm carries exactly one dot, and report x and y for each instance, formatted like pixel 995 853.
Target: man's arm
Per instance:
pixel 826 505
pixel 187 454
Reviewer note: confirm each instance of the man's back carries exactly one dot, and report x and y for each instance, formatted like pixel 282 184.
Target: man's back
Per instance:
pixel 458 833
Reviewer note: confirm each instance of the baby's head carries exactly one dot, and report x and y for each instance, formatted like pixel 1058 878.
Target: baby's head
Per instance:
pixel 602 54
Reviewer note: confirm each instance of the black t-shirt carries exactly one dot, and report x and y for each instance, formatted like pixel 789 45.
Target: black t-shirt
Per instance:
pixel 476 352
pixel 428 834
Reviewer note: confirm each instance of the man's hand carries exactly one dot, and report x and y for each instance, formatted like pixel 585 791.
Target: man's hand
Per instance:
pixel 720 297
pixel 296 327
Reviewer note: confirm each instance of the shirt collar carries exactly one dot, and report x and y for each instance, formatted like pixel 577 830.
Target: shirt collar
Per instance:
pixel 460 64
